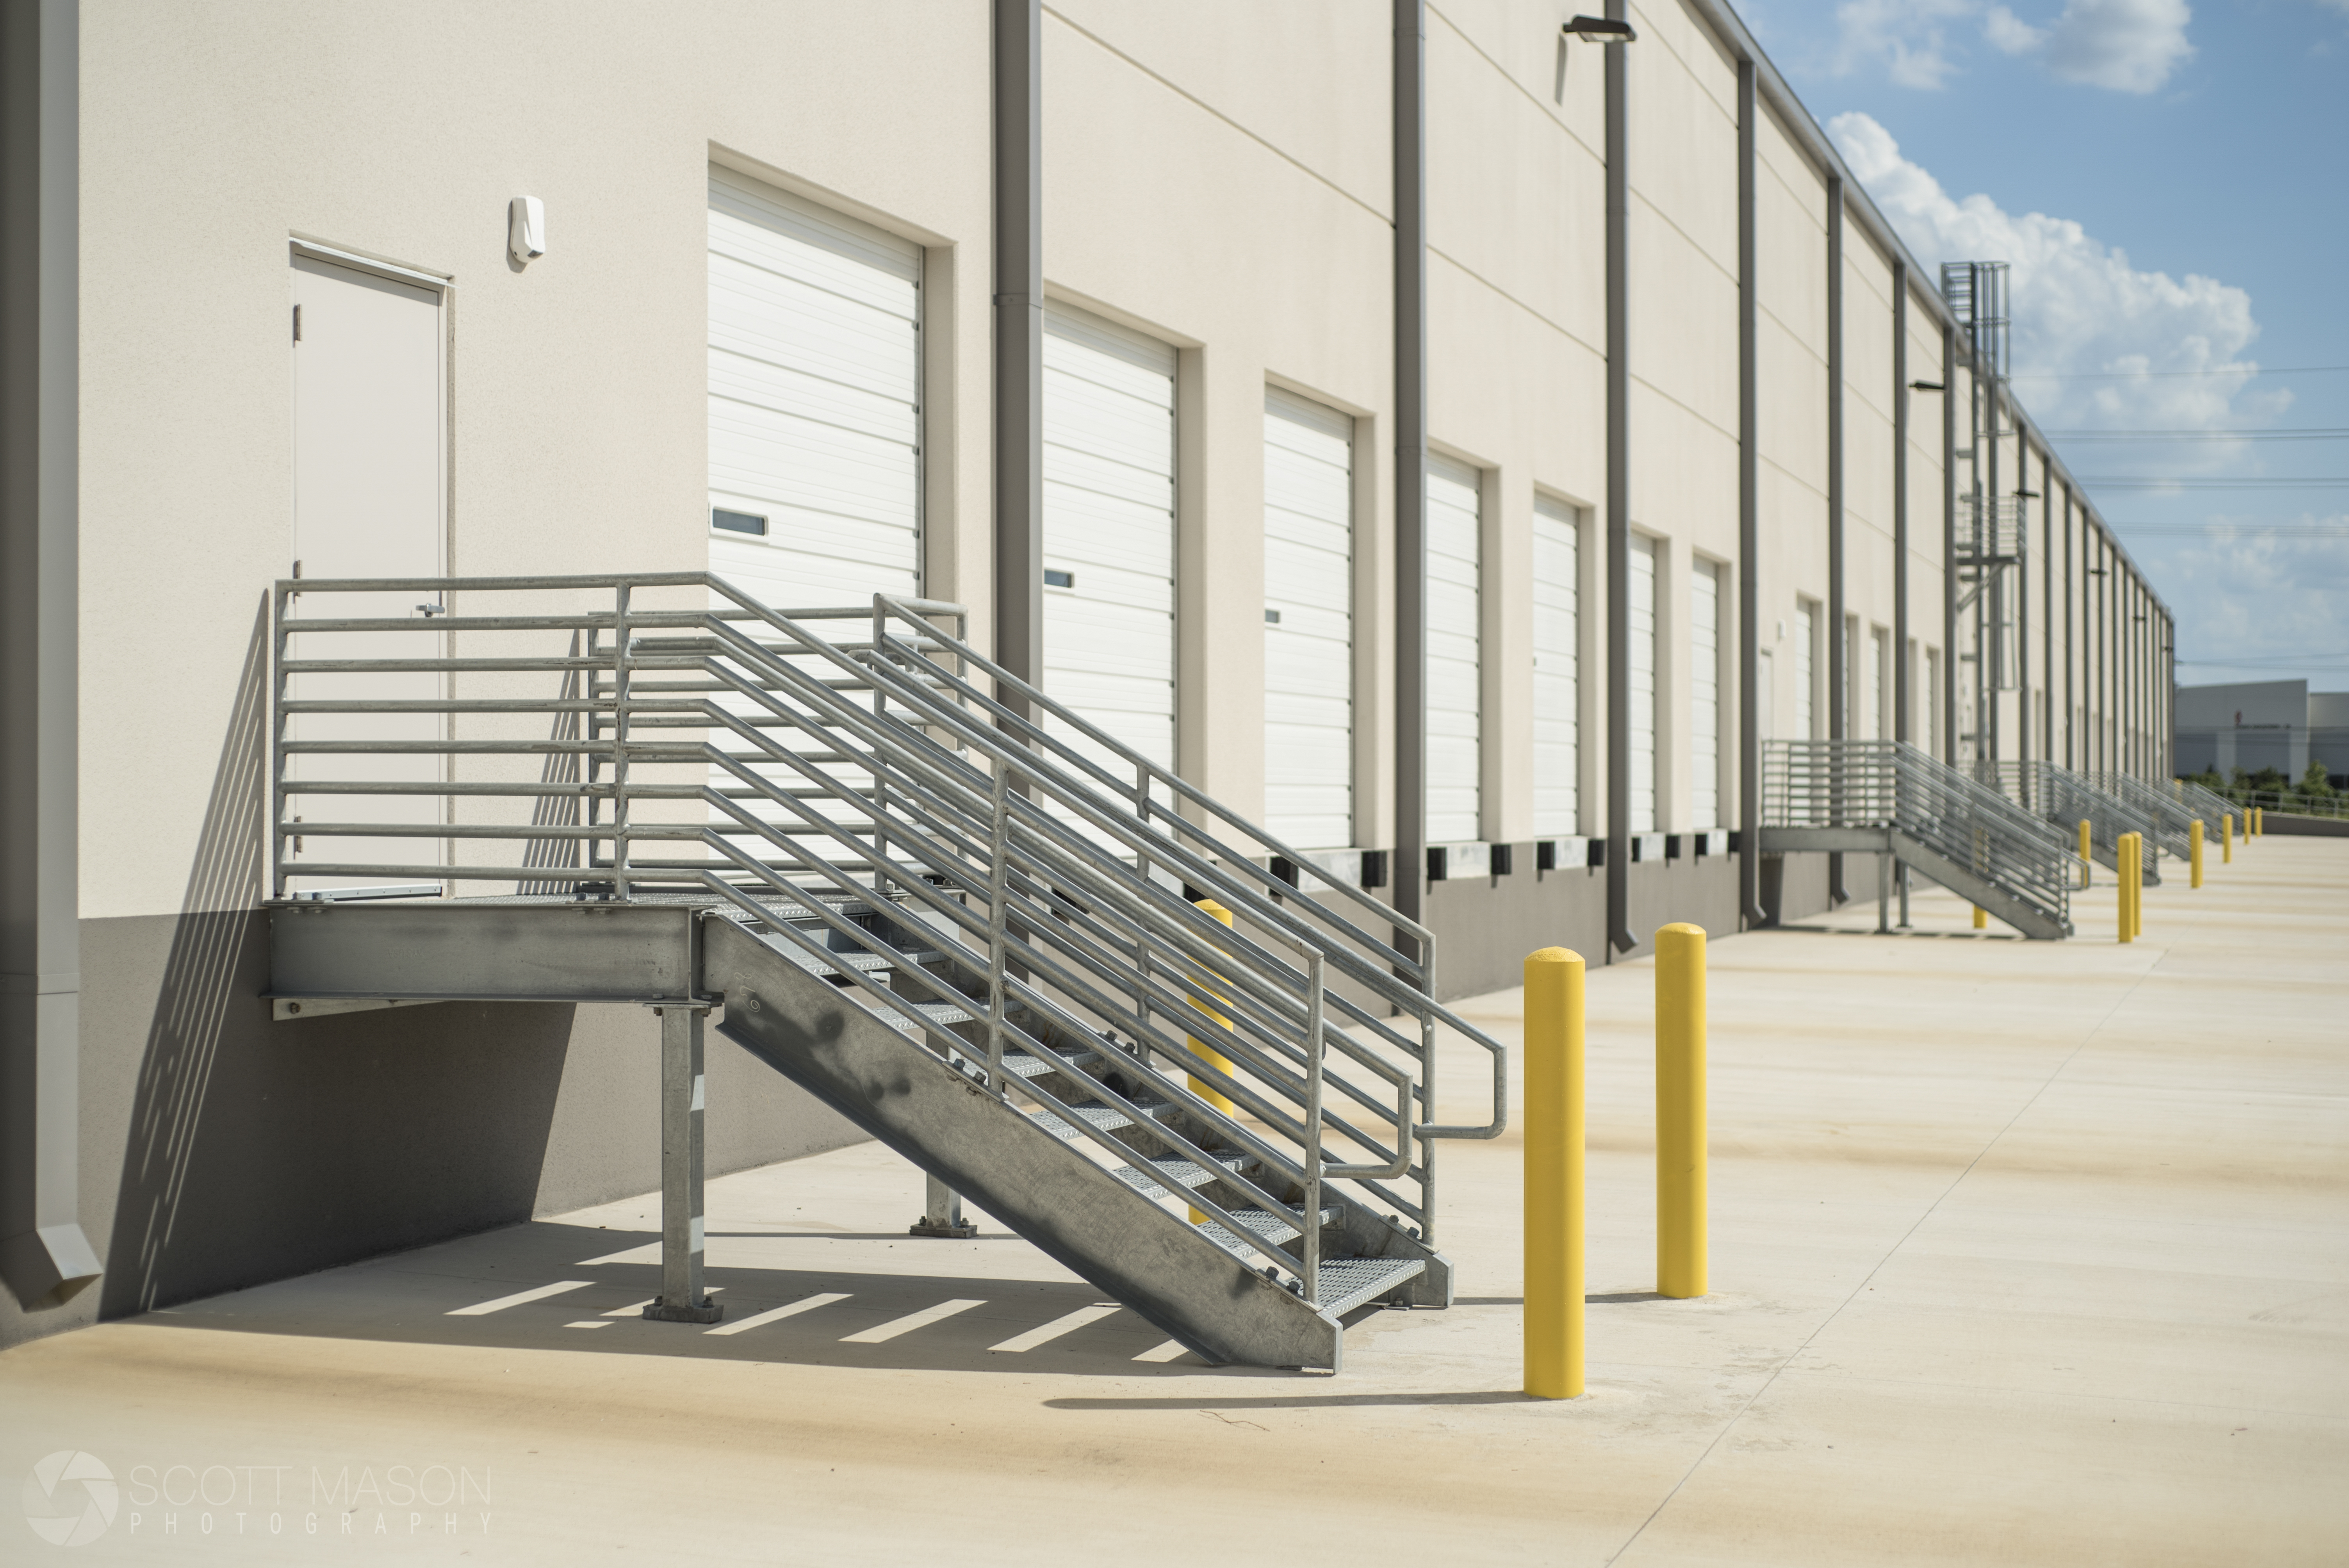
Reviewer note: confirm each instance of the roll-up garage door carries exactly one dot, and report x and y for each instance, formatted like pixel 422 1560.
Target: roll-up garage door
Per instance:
pixel 1642 721
pixel 1108 530
pixel 814 414
pixel 814 400
pixel 1455 652
pixel 1309 632
pixel 1558 678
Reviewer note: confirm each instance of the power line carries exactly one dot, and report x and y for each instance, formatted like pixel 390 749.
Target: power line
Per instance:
pixel 2162 375
pixel 2169 436
pixel 2118 482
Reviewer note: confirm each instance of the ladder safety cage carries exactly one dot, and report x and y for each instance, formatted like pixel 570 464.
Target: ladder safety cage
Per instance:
pixel 848 798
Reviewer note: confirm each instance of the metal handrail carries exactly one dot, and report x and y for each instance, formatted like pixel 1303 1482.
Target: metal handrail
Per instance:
pixel 842 785
pixel 2064 798
pixel 1892 784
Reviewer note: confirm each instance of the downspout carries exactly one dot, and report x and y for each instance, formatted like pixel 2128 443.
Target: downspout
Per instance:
pixel 1020 341
pixel 1838 649
pixel 1950 542
pixel 1619 509
pixel 1411 455
pixel 1901 672
pixel 2048 606
pixel 2071 651
pixel 2023 592
pixel 1749 521
pixel 44 1253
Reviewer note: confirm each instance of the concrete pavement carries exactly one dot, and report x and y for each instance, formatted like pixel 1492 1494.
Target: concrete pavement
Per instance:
pixel 2023 1253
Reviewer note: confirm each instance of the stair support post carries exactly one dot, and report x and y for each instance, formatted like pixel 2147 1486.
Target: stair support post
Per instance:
pixel 682 1298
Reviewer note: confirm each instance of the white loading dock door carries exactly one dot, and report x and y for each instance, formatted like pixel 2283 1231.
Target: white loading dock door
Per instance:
pixel 369 489
pixel 1642 725
pixel 1109 533
pixel 1309 632
pixel 1557 666
pixel 815 388
pixel 1455 652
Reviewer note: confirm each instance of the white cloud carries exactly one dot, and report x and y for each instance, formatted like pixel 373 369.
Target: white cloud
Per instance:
pixel 2079 308
pixel 2127 46
pixel 2247 593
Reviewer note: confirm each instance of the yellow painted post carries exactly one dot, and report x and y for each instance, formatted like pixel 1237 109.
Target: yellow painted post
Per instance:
pixel 1199 1048
pixel 2258 823
pixel 2087 842
pixel 2227 839
pixel 2125 862
pixel 1981 918
pixel 1554 1175
pixel 1680 1111
pixel 2194 838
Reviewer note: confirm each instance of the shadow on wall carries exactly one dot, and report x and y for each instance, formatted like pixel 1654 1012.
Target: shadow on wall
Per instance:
pixel 258 1149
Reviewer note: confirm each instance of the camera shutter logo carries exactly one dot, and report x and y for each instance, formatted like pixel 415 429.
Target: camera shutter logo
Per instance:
pixel 70 1498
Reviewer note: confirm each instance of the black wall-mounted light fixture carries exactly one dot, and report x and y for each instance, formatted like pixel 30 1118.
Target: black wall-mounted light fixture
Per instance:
pixel 1928 387
pixel 1600 30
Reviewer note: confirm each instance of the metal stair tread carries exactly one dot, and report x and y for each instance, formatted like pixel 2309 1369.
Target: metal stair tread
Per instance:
pixel 1151 1175
pixel 1023 1065
pixel 1347 1283
pixel 1103 1118
pixel 1264 1223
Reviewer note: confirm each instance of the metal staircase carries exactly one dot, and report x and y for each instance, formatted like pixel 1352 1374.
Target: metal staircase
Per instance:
pixel 2172 810
pixel 2065 799
pixel 1888 798
pixel 1051 973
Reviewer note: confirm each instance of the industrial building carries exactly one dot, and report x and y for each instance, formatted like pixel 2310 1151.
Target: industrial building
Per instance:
pixel 1454 441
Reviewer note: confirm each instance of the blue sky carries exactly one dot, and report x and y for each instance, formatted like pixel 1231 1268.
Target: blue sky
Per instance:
pixel 2171 183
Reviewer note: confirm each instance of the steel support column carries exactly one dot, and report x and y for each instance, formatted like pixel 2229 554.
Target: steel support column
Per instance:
pixel 1840 693
pixel 682 1299
pixel 1618 507
pixel 1410 92
pixel 1020 341
pixel 1749 517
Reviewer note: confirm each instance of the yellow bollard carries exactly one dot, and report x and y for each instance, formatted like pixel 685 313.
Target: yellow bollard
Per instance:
pixel 2226 840
pixel 2259 826
pixel 2136 884
pixel 1554 1175
pixel 1199 1048
pixel 1680 1111
pixel 2088 854
pixel 1981 918
pixel 2125 864
pixel 2194 843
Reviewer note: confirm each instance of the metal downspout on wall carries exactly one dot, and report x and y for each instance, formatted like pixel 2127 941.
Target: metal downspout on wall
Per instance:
pixel 2047 613
pixel 44 1253
pixel 1839 692
pixel 1749 519
pixel 1020 341
pixel 1950 542
pixel 2022 595
pixel 1901 672
pixel 1619 508
pixel 1411 457
pixel 2071 689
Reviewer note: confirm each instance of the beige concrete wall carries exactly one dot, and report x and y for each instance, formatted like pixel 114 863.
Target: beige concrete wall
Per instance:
pixel 1215 175
pixel 213 132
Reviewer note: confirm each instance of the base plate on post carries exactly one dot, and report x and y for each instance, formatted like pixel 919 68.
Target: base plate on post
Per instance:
pixel 662 1312
pixel 952 1230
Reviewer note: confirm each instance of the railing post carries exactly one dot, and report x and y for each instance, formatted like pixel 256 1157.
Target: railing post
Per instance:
pixel 998 927
pixel 1681 1186
pixel 681 1299
pixel 1314 1042
pixel 1554 1175
pixel 277 833
pixel 2194 843
pixel 620 658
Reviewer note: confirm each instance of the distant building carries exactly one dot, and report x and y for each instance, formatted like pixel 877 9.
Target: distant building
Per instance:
pixel 2253 725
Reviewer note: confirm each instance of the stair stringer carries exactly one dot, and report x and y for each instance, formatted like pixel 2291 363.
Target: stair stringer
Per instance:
pixel 1071 1209
pixel 2035 924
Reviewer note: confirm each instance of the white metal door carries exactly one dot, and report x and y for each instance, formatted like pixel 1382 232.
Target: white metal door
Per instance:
pixel 1642 725
pixel 1309 614
pixel 1558 663
pixel 815 389
pixel 1109 530
pixel 1455 652
pixel 814 400
pixel 369 483
pixel 1704 696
